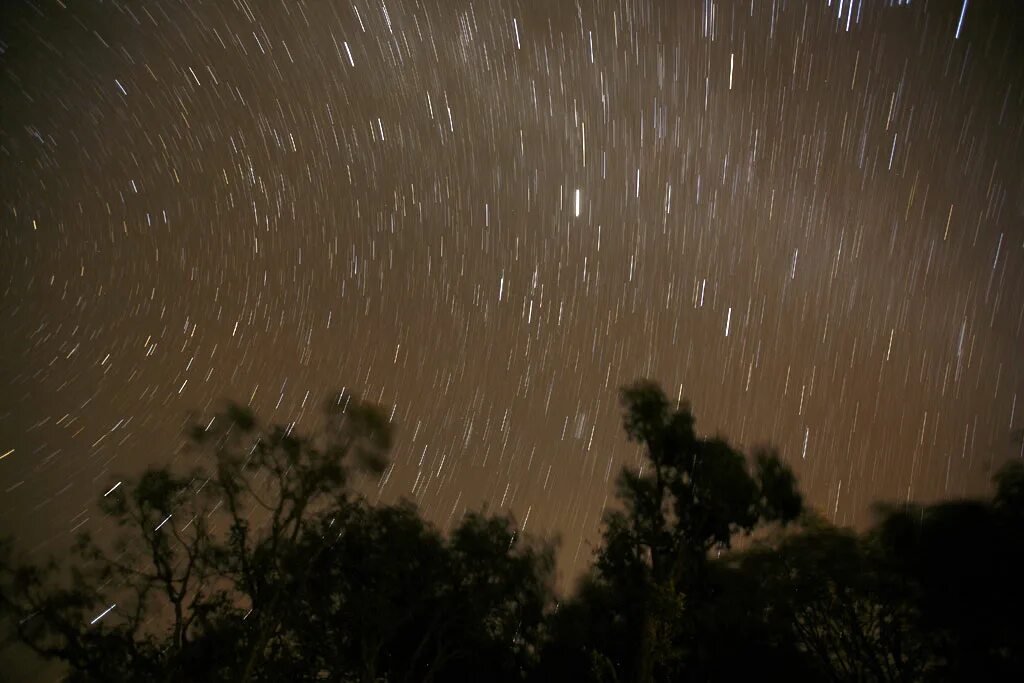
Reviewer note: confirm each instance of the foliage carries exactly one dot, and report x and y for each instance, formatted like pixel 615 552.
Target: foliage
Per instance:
pixel 261 564
pixel 692 495
pixel 930 593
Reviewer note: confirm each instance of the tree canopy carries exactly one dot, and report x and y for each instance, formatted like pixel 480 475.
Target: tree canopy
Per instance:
pixel 262 563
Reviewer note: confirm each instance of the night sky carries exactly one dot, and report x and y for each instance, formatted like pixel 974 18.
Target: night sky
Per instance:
pixel 807 218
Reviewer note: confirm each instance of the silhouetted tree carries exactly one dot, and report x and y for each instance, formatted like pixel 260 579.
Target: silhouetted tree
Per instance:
pixel 962 562
pixel 825 591
pixel 691 495
pixel 262 565
pixel 391 599
pixel 931 593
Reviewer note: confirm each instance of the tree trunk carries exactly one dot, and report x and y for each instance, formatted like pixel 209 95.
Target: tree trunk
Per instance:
pixel 645 653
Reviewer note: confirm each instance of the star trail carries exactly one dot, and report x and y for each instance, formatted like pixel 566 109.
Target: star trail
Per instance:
pixel 806 218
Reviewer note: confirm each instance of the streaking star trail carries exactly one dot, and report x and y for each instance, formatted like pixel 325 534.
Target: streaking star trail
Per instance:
pixel 806 218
